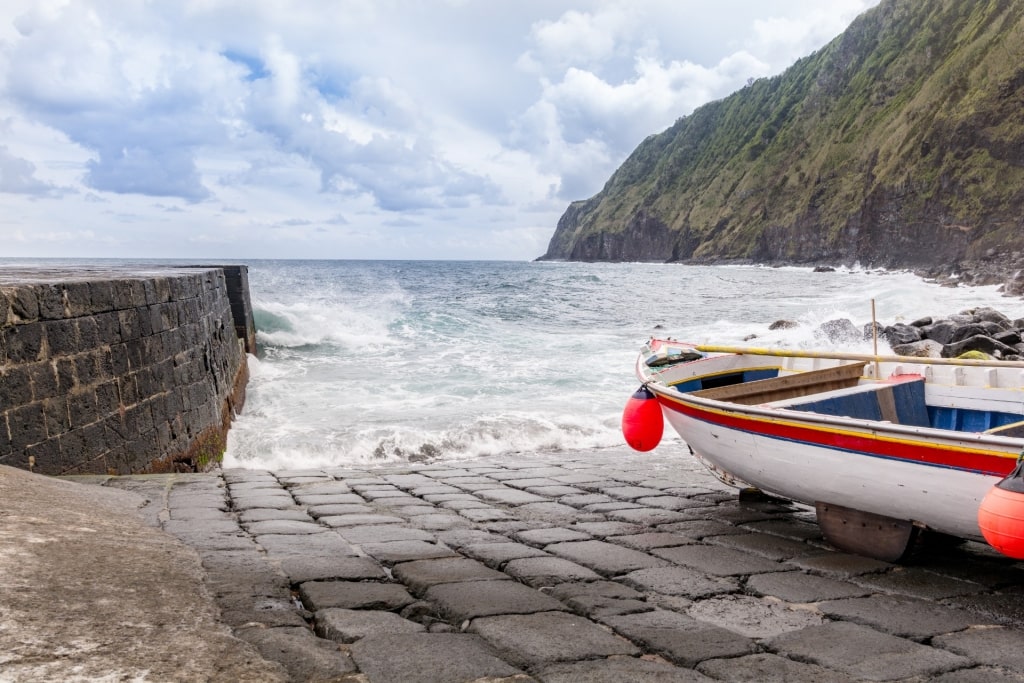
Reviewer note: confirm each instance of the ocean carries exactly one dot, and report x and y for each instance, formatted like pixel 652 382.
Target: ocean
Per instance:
pixel 364 363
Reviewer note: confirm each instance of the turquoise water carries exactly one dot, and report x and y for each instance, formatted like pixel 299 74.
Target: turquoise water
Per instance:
pixel 367 362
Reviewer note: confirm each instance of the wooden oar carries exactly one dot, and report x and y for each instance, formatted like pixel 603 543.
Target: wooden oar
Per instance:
pixel 841 355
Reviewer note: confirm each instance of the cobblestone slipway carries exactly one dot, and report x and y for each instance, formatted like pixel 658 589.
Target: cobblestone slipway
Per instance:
pixel 603 566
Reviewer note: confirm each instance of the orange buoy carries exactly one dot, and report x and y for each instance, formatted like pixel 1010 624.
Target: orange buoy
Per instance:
pixel 1001 514
pixel 642 421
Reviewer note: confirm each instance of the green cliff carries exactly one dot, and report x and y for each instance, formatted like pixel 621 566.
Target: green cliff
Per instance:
pixel 899 144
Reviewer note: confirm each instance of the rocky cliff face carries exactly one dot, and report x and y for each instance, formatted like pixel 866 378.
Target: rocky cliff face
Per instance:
pixel 899 144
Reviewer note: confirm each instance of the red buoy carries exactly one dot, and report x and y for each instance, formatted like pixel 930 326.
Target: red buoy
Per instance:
pixel 642 421
pixel 1001 514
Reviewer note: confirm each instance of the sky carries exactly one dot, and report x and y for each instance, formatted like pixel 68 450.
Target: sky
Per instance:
pixel 351 129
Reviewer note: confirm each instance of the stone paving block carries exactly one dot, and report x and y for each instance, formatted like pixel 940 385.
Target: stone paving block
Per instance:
pixel 322 488
pixel 670 502
pixel 555 490
pixel 650 540
pixel 243 609
pixel 764 545
pixel 472 599
pixel 405 551
pixel 840 565
pixel 997 646
pixel 459 538
pixel 351 520
pixel 488 514
pixel 433 489
pixel 717 560
pixel 679 638
pixel 318 595
pixel 601 598
pixel 548 571
pixel 618 670
pixel 201 515
pixel 379 495
pixel 408 481
pixel 579 478
pixel 900 615
pixel 529 483
pixel 463 504
pixel 845 647
pixel 980 674
pixel 326 544
pixel 529 640
pixel 429 658
pixel 613 506
pixel 278 500
pixel 603 529
pixel 349 625
pixel 267 514
pixel 702 528
pixel 510 496
pixel 497 554
pixel 447 473
pixel 679 581
pixel 737 513
pixel 508 526
pixel 395 502
pixel 304 656
pixel 416 510
pixel 284 526
pixel 582 500
pixel 329 499
pixel 752 617
pixel 768 668
pixel 440 522
pixel 629 493
pixel 190 528
pixel 551 512
pixel 420 575
pixel 605 558
pixel 543 537
pixel 920 583
pixel 800 587
pixel 300 569
pixel 318 511
pixel 383 533
pixel 787 528
pixel 647 516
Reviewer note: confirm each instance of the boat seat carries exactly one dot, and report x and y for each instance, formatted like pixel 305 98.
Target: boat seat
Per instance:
pixel 896 402
pixel 798 384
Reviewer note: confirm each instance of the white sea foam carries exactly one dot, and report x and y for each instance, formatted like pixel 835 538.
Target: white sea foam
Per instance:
pixel 372 362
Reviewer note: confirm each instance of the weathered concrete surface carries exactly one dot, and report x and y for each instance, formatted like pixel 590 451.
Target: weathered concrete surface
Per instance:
pixel 88 591
pixel 458 573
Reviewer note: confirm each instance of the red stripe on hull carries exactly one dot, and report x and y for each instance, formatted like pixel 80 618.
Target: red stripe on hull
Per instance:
pixel 866 444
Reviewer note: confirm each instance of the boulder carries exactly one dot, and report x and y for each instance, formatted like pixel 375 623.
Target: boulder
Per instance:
pixel 838 331
pixel 978 342
pixel 923 322
pixel 926 348
pixel 783 325
pixel 899 334
pixel 941 331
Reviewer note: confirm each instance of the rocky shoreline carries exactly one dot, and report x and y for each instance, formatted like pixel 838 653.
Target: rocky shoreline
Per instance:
pixel 981 333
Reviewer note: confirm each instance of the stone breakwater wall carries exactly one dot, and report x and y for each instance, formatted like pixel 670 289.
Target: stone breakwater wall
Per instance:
pixel 119 371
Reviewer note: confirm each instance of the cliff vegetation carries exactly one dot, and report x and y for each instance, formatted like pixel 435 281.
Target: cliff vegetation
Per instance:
pixel 899 144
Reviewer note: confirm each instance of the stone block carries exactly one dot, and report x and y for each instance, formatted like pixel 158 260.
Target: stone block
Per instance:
pixel 651 540
pixel 327 544
pixel 27 425
pixel 487 514
pixel 764 545
pixel 283 526
pixel 405 551
pixel 840 565
pixel 463 538
pixel 530 640
pixel 769 668
pixel 429 658
pixel 318 595
pixel 996 646
pixel 679 581
pixel 359 520
pixel 472 599
pixel 605 558
pixel 920 583
pixel 382 533
pixel 799 587
pixel 548 571
pixel 618 670
pixel 844 647
pixel 267 514
pixel 752 617
pixel 302 568
pixel 62 337
pixel 717 560
pixel 900 615
pixel 25 343
pixel 348 626
pixel 679 638
pixel 604 529
pixel 543 537
pixel 510 496
pixel 420 575
pixel 495 555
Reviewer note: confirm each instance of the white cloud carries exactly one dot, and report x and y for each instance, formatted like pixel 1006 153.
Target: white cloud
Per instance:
pixel 474 121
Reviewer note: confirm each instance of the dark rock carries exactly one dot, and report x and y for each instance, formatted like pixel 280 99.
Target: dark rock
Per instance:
pixel 978 342
pixel 1010 337
pixel 901 334
pixel 941 331
pixel 987 314
pixel 923 322
pixel 783 325
pixel 926 348
pixel 824 269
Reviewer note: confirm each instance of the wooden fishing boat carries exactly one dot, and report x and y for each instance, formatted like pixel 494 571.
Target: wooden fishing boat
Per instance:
pixel 882 447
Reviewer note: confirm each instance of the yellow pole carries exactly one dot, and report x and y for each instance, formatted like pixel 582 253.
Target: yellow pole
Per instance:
pixel 841 355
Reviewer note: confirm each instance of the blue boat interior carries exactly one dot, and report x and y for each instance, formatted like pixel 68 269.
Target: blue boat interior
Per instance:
pixel 898 402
